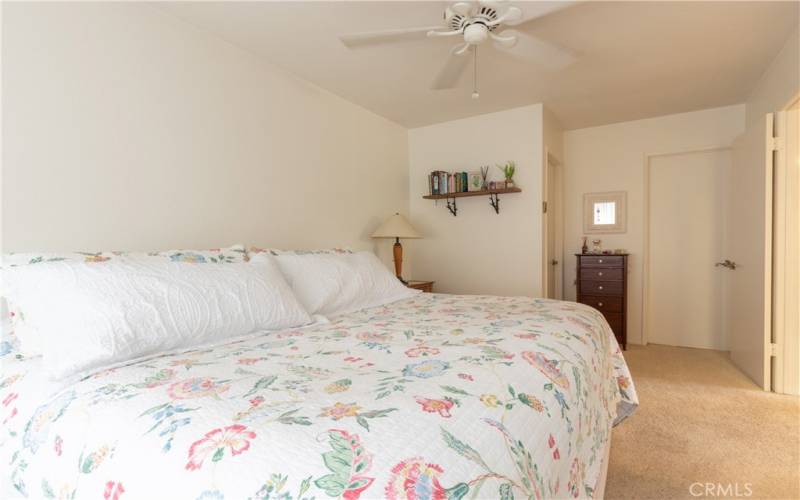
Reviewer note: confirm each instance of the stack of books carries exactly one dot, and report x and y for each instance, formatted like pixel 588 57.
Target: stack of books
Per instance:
pixel 440 182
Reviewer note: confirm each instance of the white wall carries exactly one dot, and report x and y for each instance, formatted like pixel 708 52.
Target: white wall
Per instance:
pixel 478 251
pixel 611 158
pixel 779 84
pixel 126 128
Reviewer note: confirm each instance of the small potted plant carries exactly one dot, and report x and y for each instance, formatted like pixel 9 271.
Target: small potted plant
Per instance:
pixel 508 171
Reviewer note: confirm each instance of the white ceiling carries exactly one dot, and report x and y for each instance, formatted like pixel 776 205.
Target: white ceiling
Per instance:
pixel 635 59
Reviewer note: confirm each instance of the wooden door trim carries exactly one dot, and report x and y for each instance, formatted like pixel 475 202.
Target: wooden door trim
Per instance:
pixel 648 157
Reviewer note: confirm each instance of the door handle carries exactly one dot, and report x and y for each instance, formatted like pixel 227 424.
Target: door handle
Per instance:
pixel 554 262
pixel 726 263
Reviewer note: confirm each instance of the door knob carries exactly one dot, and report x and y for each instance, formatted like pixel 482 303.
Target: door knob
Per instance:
pixel 726 263
pixel 554 262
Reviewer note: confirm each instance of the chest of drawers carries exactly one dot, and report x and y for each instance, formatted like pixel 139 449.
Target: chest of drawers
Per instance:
pixel 601 281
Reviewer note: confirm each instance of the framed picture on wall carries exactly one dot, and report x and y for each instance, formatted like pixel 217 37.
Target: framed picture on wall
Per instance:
pixel 475 181
pixel 604 213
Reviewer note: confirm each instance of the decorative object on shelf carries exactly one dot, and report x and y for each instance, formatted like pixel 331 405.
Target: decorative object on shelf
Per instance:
pixel 397 227
pixel 485 177
pixel 508 172
pixel 597 246
pixel 475 182
pixel 584 247
pixel 604 213
pixel 494 199
pixel 425 286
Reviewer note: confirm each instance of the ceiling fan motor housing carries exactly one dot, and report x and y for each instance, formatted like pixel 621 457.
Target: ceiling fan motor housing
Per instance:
pixel 474 25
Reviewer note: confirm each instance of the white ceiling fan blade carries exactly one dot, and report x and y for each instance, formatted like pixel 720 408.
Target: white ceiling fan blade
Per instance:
pixel 386 36
pixel 511 15
pixel 454 67
pixel 503 40
pixel 534 50
pixel 535 10
pixel 461 49
pixel 434 34
pixel 492 4
pixel 462 8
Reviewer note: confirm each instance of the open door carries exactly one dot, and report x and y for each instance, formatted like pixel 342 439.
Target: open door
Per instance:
pixel 553 235
pixel 749 259
pixel 786 253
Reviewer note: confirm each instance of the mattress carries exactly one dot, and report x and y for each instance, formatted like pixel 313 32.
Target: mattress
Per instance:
pixel 431 397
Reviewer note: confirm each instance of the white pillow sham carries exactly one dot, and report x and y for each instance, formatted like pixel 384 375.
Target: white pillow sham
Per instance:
pixel 24 338
pixel 94 315
pixel 335 284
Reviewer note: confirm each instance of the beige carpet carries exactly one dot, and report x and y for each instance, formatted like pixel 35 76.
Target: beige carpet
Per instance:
pixel 701 420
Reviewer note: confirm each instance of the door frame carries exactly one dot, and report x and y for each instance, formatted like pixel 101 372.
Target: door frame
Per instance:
pixel 786 276
pixel 551 159
pixel 646 226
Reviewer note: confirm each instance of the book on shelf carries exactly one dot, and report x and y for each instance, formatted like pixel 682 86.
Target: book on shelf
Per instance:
pixel 441 182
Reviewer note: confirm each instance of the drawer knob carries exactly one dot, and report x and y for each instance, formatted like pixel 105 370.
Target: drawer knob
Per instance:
pixel 600 273
pixel 599 304
pixel 600 261
pixel 600 287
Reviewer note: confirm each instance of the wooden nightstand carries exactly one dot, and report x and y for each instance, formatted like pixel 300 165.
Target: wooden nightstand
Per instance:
pixel 425 286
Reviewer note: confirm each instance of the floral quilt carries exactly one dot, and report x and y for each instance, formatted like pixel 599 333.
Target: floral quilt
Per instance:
pixel 434 397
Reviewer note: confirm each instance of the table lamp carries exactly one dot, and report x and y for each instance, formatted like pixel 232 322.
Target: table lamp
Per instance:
pixel 397 227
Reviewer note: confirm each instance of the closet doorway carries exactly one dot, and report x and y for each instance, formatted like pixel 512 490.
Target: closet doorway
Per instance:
pixel 686 301
pixel 553 230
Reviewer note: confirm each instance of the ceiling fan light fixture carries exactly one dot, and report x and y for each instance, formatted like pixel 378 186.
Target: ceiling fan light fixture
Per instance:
pixel 476 33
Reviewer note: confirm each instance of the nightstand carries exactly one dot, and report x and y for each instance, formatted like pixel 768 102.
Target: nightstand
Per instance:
pixel 425 286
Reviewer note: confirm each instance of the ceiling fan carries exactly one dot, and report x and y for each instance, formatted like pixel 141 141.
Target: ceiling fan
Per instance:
pixel 475 23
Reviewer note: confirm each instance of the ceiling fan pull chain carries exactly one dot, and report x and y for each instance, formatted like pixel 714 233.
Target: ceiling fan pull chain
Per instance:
pixel 475 93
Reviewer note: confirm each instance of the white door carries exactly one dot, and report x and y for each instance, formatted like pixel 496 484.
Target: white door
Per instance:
pixel 687 198
pixel 750 248
pixel 786 253
pixel 553 226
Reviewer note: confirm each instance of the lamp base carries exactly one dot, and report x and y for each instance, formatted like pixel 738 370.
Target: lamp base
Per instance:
pixel 398 260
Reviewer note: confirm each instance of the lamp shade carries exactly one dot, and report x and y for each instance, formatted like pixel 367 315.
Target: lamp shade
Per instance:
pixel 396 226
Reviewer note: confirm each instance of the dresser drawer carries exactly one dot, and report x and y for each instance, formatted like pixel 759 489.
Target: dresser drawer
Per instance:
pixel 615 322
pixel 602 304
pixel 601 260
pixel 601 273
pixel 591 287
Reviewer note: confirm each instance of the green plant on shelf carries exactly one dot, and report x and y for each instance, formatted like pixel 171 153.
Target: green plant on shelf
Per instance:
pixel 508 169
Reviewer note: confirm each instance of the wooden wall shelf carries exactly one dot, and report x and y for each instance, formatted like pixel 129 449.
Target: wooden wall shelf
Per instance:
pixel 472 193
pixel 494 200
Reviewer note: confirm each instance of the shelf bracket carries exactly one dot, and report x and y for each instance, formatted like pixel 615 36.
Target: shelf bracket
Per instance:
pixel 494 201
pixel 452 206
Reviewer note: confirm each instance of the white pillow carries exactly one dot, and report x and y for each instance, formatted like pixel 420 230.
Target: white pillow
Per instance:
pixel 93 315
pixel 334 284
pixel 24 337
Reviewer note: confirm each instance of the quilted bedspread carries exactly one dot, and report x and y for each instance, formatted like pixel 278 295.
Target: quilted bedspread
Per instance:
pixel 438 396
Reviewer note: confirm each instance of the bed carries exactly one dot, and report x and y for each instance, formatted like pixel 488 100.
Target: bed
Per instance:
pixel 435 396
